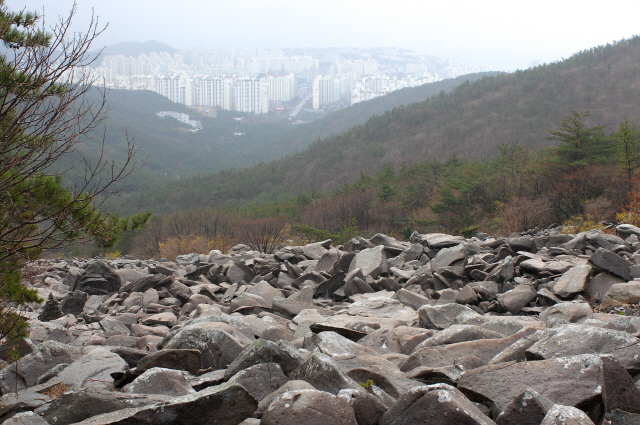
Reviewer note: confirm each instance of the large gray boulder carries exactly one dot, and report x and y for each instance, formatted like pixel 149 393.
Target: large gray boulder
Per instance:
pixel 261 379
pixel 573 282
pixel 92 370
pixel 25 401
pixel 291 385
pixel 528 408
pixel 367 407
pixel 218 342
pixel 172 358
pixel 516 299
pixel 626 293
pixel 372 261
pixel 98 279
pixel 566 312
pixel 324 374
pixel 308 407
pixel 159 380
pixel 599 285
pixel 587 381
pixel 27 371
pixel 610 262
pixel 444 315
pixel 434 404
pixel 262 351
pixel 447 256
pixel 445 355
pixel 73 302
pixel 335 345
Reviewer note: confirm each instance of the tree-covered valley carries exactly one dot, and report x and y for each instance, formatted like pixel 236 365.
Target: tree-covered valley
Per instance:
pixel 496 155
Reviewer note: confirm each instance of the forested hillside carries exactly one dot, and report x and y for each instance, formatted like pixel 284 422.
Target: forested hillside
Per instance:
pixel 344 119
pixel 172 153
pixel 470 122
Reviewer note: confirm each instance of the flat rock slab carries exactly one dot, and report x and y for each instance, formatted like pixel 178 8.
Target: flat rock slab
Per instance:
pixel 78 405
pixel 444 355
pixel 608 261
pixel 572 339
pixel 577 381
pixel 166 319
pixel 573 282
pixel 445 315
pixel 92 370
pixel 459 333
pixel 228 403
pixel 539 266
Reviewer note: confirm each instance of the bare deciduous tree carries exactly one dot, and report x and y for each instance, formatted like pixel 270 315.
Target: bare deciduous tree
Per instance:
pixel 44 116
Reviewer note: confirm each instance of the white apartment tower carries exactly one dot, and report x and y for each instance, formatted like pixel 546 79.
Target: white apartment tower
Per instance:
pixel 169 86
pixel 281 88
pixel 249 93
pixel 325 91
pixel 210 92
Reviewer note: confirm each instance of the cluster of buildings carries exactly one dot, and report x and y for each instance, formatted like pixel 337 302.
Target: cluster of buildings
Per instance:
pixel 245 94
pixel 263 80
pixel 183 118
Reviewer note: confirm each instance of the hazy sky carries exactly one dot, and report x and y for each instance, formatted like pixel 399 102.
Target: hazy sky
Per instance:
pixel 504 34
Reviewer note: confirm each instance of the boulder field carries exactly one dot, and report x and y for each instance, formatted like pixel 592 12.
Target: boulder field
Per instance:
pixel 538 329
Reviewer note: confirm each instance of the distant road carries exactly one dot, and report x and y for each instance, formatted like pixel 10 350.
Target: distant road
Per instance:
pixel 298 107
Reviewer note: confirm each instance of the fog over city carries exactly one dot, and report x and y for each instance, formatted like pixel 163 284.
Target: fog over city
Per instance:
pixel 504 35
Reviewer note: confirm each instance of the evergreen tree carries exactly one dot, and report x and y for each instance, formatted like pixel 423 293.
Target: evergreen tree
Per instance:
pixel 627 149
pixel 580 144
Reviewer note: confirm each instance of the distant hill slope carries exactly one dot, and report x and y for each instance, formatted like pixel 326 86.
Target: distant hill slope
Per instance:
pixel 172 152
pixel 344 119
pixel 471 121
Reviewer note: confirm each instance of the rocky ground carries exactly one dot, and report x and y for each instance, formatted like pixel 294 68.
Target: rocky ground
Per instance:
pixel 440 330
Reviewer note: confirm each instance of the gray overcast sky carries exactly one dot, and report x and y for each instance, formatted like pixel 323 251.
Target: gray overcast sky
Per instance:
pixel 504 34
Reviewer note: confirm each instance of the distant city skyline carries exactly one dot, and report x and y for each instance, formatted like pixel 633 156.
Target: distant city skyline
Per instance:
pixel 506 35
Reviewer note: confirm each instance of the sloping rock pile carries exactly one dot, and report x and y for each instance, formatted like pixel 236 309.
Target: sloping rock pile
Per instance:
pixel 439 330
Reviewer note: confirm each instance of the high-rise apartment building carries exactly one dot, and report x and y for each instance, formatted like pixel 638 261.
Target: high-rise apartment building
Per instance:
pixel 281 88
pixel 326 90
pixel 169 86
